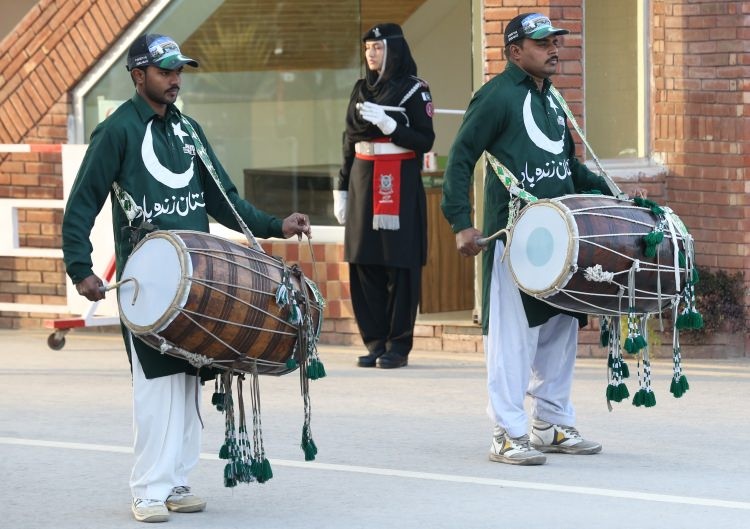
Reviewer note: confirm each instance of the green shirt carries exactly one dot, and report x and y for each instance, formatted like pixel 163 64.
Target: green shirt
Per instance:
pixel 155 161
pixel 527 131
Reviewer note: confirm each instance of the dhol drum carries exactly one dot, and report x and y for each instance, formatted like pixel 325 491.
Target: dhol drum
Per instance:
pixel 213 302
pixel 583 252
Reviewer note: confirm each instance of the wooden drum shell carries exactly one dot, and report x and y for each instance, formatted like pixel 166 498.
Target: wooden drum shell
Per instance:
pixel 230 314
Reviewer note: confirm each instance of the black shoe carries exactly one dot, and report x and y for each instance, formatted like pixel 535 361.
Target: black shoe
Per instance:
pixel 368 360
pixel 392 360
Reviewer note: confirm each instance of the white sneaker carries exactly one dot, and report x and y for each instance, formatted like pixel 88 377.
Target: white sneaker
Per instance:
pixel 149 510
pixel 514 450
pixel 182 500
pixel 547 437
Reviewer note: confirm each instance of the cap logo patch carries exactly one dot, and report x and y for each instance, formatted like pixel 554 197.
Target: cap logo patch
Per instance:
pixel 161 48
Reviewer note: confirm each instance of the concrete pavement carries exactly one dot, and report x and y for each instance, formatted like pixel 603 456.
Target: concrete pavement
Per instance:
pixel 403 448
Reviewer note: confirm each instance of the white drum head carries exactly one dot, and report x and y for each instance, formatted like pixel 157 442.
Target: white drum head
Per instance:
pixel 158 265
pixel 542 247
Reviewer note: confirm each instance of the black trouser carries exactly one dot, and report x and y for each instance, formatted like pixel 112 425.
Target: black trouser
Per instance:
pixel 385 301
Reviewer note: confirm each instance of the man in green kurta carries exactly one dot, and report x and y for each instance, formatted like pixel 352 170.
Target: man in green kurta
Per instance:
pixel 144 157
pixel 530 346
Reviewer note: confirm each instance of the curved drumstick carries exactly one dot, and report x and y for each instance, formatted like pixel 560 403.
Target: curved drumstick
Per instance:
pixel 107 288
pixel 484 241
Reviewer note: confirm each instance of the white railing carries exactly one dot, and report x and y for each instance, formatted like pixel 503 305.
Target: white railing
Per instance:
pixel 10 246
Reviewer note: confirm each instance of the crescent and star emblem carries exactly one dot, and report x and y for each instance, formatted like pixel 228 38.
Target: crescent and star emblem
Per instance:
pixel 158 171
pixel 535 133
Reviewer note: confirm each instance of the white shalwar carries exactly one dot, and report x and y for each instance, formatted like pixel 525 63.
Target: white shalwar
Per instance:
pixel 167 432
pixel 521 359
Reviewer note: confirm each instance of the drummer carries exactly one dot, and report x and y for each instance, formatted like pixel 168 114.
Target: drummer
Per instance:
pixel 146 157
pixel 530 346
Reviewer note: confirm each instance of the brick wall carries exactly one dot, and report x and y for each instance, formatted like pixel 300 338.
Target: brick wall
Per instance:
pixel 41 61
pixel 701 126
pixel 700 129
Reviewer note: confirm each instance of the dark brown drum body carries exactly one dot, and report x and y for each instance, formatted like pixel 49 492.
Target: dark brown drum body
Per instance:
pixel 582 253
pixel 214 302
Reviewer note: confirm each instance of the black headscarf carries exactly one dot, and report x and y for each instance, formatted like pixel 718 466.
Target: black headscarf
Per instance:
pixel 386 87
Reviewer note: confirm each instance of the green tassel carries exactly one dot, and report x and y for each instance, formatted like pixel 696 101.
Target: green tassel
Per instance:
pixel 256 468
pixel 224 451
pixel 291 363
pixel 696 276
pixel 308 445
pixel 679 387
pixel 654 238
pixel 322 369
pixel 675 389
pixel 644 398
pixel 681 259
pixel 262 470
pixel 219 401
pixel 229 479
pixel 625 370
pixel 604 337
pixel 310 450
pixel 315 369
pixel 266 470
pixel 617 393
pixel 689 320
pixel 635 343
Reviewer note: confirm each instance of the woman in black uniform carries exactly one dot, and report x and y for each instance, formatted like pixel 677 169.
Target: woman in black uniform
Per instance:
pixel 380 198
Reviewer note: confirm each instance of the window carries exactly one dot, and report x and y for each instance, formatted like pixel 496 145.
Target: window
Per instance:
pixel 274 82
pixel 615 76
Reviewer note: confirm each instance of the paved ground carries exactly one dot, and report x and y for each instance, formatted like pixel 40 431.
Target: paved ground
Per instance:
pixel 405 448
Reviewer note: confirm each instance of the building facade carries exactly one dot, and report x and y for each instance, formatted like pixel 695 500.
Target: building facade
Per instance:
pixel 660 86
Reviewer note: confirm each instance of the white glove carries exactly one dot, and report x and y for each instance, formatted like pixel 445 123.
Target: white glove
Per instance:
pixel 377 116
pixel 339 205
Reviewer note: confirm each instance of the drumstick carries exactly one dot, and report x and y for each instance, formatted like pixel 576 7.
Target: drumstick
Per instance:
pixel 107 288
pixel 484 241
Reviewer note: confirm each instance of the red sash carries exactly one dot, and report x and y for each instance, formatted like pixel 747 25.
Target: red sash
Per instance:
pixel 386 188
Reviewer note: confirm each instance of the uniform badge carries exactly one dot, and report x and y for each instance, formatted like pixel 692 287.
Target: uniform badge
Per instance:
pixel 426 96
pixel 429 109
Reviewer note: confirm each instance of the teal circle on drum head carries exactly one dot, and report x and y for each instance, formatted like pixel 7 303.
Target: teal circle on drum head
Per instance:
pixel 542 239
pixel 540 246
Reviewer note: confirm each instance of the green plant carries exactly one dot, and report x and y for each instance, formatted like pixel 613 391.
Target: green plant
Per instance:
pixel 719 297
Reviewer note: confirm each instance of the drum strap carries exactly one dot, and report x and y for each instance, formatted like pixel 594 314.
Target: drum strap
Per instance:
pixel 510 182
pixel 616 191
pixel 203 154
